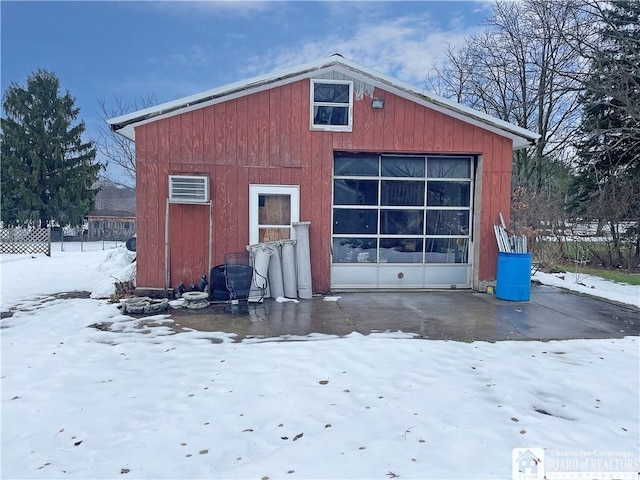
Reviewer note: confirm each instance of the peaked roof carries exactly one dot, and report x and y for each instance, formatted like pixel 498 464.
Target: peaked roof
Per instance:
pixel 125 124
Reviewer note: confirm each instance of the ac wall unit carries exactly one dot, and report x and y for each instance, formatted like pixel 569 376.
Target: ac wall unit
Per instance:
pixel 188 189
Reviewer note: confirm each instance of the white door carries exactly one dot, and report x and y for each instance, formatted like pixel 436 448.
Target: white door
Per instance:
pixel 272 211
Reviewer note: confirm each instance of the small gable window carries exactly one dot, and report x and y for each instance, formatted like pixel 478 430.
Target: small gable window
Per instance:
pixel 331 105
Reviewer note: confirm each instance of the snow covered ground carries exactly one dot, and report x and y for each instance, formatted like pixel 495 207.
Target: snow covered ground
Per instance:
pixel 591 285
pixel 79 402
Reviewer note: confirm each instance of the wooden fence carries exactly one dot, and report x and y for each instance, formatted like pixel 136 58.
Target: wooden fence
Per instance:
pixel 24 240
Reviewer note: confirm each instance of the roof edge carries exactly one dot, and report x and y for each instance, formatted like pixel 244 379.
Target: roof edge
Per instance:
pixel 123 124
pixel 445 103
pixel 118 123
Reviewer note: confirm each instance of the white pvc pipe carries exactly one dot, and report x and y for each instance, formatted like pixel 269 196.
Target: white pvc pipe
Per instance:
pixel 276 284
pixel 289 269
pixel 303 259
pixel 260 253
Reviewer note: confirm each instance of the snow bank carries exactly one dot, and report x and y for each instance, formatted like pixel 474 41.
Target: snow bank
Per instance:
pixel 594 286
pixel 118 266
pixel 27 276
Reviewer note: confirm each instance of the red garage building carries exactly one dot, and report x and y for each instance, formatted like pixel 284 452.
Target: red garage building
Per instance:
pixel 402 188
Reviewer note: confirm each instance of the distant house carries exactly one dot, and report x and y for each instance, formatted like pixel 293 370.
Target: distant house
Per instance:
pixel 111 225
pixel 402 188
pixel 112 197
pixel 114 217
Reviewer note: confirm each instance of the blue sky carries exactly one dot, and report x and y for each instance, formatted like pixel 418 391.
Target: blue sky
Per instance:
pixel 133 50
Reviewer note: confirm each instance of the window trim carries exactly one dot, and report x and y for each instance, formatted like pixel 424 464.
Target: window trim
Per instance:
pixel 255 190
pixel 313 104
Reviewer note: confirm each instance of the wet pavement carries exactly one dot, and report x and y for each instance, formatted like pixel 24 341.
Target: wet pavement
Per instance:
pixel 462 315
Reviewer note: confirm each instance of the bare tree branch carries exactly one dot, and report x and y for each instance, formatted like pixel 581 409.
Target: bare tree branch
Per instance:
pixel 116 149
pixel 524 70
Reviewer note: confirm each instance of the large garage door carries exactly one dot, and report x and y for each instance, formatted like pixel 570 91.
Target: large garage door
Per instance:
pixel 401 221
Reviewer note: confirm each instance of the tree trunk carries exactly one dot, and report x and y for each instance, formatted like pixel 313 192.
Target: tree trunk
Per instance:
pixel 615 238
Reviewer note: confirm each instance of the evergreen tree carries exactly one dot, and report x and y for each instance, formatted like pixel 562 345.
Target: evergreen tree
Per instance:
pixel 47 171
pixel 607 185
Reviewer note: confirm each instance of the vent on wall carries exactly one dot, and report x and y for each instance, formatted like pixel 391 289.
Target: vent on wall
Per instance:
pixel 188 189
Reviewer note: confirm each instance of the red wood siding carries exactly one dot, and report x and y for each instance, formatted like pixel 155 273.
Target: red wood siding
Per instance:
pixel 265 138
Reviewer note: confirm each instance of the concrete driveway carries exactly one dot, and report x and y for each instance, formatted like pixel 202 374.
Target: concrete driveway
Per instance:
pixel 462 315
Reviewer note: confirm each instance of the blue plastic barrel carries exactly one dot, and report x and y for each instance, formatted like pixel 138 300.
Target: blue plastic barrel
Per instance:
pixel 513 280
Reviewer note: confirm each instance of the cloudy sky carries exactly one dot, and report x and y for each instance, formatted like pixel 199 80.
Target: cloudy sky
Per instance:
pixel 135 50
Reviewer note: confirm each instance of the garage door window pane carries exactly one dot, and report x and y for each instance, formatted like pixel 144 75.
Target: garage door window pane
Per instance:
pixel 447 250
pixel 349 165
pixel 355 192
pixel 402 222
pixel 447 167
pixel 448 194
pixel 355 250
pixel 402 167
pixel 347 220
pixel 447 222
pixel 401 250
pixel 402 193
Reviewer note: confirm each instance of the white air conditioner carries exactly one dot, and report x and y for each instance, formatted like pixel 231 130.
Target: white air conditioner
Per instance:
pixel 188 189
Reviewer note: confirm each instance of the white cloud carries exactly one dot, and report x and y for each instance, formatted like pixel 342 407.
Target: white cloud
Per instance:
pixel 196 55
pixel 404 47
pixel 400 39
